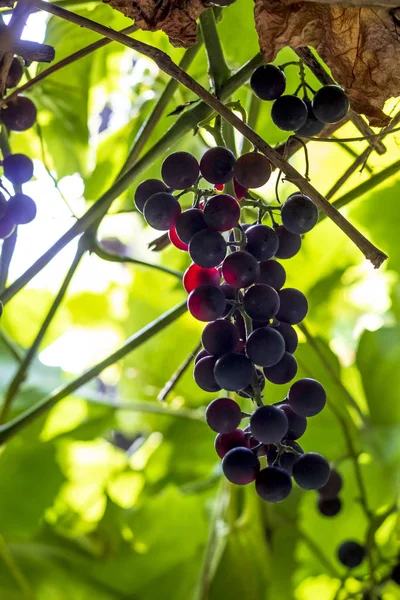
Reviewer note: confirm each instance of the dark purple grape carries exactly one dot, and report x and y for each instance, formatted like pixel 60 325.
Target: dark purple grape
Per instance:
pixel 307 397
pixel 226 441
pixel 148 188
pixel 297 423
pixel 222 212
pixel 161 211
pixel 265 347
pixel 18 168
pixel 268 424
pixel 252 170
pixel 311 471
pixel 220 337
pixel 312 126
pixel 248 392
pixel 273 484
pixel 293 306
pixel 240 466
pixel 289 243
pixel 233 371
pixel 20 114
pixel 395 574
pixel 206 303
pixel 283 372
pixel 15 73
pixel 180 170
pixel 7 227
pixel 299 214
pixel 261 302
pixel 351 554
pixel 329 507
pixel 289 335
pixel 289 113
pixel 268 82
pixel 202 354
pixel 262 241
pixel 21 209
pixel 223 415
pixel 207 248
pixel 240 269
pixel 189 223
pixel 272 273
pixel 217 164
pixel 203 374
pixel 332 486
pixel 330 104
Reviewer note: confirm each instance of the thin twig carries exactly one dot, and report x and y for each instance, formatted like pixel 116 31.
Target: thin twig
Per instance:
pixel 11 346
pixel 181 370
pixel 358 162
pixel 15 571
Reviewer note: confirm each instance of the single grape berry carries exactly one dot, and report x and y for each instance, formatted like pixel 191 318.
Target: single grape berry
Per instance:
pixel 330 104
pixel 176 241
pixel 233 371
pixel 297 423
pixel 217 164
pixel 7 227
pixel 195 276
pixel 351 554
pixel 262 241
pixel 222 212
pixel 226 441
pixel 289 243
pixel 206 303
pixel 268 82
pixel 268 424
pixel 240 466
pixel 307 397
pixel 332 486
pixel 273 484
pixel 261 302
pixel 189 223
pixel 161 211
pixel 207 248
pixel 240 191
pixel 265 346
pixel 289 335
pixel 203 374
pixel 395 575
pixel 283 372
pixel 220 337
pixel 289 113
pixel 20 114
pixel 293 306
pixel 21 209
pixel 311 471
pixel 312 126
pixel 180 170
pixel 202 354
pixel 223 415
pixel 18 168
pixel 240 269
pixel 15 73
pixel 272 273
pixel 148 188
pixel 299 214
pixel 252 170
pixel 329 507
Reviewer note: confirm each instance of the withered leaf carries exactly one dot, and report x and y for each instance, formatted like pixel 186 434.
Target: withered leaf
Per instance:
pixel 177 18
pixel 360 45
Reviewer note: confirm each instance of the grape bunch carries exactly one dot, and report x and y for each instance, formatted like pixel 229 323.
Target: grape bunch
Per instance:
pixel 306 117
pixel 236 286
pixel 19 115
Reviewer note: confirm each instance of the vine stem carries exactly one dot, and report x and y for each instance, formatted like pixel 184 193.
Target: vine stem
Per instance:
pixel 185 123
pixel 165 63
pixel 181 370
pixel 23 368
pixel 15 425
pixel 151 408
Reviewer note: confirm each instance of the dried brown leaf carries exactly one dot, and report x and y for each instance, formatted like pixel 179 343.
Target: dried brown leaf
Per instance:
pixel 177 18
pixel 360 45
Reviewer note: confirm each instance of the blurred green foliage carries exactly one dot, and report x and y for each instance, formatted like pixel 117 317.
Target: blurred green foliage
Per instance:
pixel 111 495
